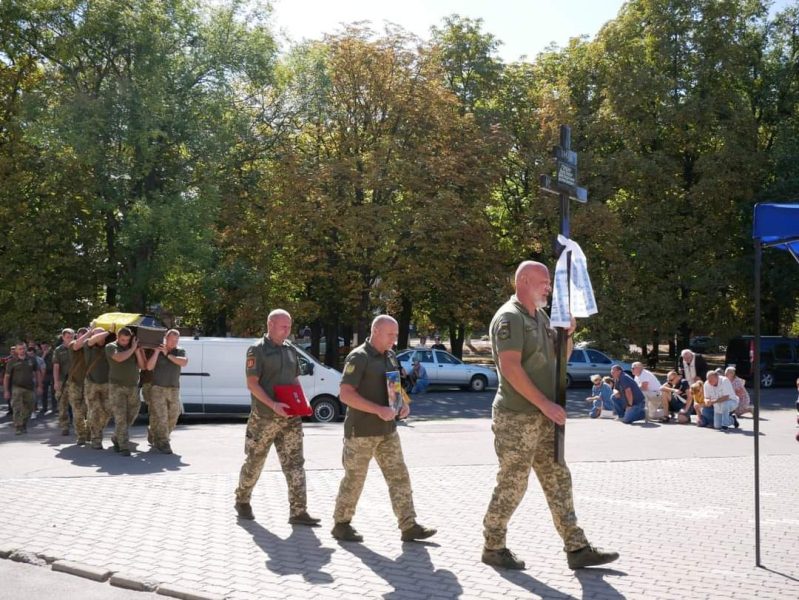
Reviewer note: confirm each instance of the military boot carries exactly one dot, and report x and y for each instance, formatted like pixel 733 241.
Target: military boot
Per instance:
pixel 417 532
pixel 502 558
pixel 346 533
pixel 589 556
pixel 304 518
pixel 244 510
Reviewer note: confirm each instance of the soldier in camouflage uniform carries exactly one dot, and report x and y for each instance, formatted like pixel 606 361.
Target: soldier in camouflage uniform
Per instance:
pixel 273 361
pixel 22 375
pixel 61 362
pixel 125 359
pixel 524 418
pixel 74 386
pixel 164 395
pixel 370 430
pixel 96 386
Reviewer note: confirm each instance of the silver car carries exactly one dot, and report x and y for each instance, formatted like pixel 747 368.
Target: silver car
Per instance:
pixel 444 369
pixel 584 362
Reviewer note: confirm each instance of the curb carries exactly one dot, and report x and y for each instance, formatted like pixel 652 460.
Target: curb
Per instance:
pixel 81 570
pixel 132 583
pixel 185 593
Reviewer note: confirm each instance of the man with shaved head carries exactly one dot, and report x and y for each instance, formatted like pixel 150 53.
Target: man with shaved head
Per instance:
pixel 270 362
pixel 370 430
pixel 524 419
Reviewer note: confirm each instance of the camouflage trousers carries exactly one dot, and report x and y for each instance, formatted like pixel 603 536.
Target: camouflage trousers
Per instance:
pixel 387 451
pixel 72 394
pixel 98 409
pixel 61 402
pixel 522 442
pixel 286 435
pixel 124 401
pixel 22 403
pixel 164 410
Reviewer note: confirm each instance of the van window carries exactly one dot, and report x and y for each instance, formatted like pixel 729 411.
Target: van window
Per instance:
pixel 305 365
pixel 783 352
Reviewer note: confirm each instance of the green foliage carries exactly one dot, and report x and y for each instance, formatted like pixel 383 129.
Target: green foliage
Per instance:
pixel 163 155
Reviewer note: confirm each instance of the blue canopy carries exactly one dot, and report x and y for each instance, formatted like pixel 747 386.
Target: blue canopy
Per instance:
pixel 777 226
pixel 774 226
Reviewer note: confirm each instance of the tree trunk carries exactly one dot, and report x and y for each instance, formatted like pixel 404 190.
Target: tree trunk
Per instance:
pixel 316 333
pixel 331 342
pixel 113 273
pixel 684 336
pixel 456 335
pixel 406 308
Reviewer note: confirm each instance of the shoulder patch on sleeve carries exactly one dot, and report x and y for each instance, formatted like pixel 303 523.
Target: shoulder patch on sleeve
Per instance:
pixel 503 331
pixel 250 361
pixel 349 368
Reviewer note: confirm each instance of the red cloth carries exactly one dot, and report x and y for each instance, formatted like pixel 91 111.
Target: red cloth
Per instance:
pixel 293 397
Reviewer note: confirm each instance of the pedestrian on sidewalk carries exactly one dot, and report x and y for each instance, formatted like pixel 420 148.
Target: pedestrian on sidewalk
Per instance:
pixel 370 430
pixel 524 419
pixel 164 395
pixel 21 378
pixel 125 360
pixel 273 361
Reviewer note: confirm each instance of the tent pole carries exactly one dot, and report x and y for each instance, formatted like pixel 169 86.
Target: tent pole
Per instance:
pixel 756 385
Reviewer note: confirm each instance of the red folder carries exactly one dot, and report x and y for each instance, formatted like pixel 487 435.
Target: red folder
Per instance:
pixel 293 397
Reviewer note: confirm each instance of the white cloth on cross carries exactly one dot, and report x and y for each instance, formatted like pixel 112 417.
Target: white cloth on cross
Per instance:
pixel 578 301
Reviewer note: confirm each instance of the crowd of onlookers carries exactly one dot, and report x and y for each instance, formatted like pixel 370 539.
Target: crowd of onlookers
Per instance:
pixel 691 393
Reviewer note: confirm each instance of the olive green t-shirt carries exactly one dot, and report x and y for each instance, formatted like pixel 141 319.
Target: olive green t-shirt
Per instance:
pixel 121 373
pixel 63 358
pixel 365 369
pixel 20 372
pixel 99 372
pixel 273 365
pixel 77 363
pixel 166 373
pixel 513 328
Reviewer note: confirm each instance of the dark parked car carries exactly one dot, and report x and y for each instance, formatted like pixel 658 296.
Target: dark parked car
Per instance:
pixel 779 359
pixel 703 344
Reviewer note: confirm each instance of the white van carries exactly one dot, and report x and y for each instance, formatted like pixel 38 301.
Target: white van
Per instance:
pixel 214 382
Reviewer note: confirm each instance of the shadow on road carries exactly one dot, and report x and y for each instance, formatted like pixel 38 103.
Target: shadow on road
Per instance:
pixel 108 461
pixel 410 571
pixel 594 585
pixel 301 553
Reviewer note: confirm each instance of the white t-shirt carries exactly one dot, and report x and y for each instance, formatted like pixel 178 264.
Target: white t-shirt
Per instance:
pixel 724 388
pixel 647 376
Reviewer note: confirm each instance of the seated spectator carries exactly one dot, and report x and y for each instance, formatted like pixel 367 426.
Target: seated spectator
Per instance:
pixel 601 396
pixel 691 366
pixel 739 387
pixel 419 378
pixel 675 391
pixel 696 402
pixel 628 399
pixel 719 394
pixel 650 386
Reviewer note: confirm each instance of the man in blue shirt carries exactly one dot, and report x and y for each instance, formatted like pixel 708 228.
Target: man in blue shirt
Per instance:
pixel 628 399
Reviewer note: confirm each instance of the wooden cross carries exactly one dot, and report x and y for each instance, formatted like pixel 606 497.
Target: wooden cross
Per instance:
pixel 565 186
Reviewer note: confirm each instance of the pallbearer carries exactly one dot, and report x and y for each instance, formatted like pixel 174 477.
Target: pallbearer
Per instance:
pixel 164 394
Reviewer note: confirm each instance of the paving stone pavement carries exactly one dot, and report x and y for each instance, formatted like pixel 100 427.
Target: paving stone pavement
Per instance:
pixel 684 529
